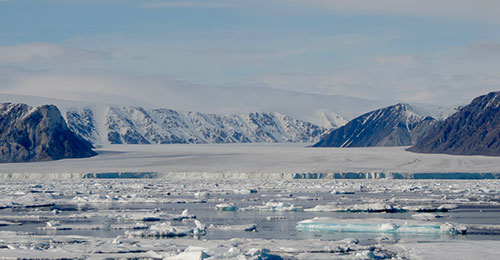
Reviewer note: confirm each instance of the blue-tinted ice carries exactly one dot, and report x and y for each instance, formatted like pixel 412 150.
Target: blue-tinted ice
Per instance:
pixel 378 226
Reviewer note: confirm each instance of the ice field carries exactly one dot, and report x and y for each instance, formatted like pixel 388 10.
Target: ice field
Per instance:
pixel 273 201
pixel 250 219
pixel 257 161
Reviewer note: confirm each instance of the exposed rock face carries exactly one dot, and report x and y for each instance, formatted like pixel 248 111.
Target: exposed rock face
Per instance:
pixel 136 125
pixel 473 130
pixel 83 123
pixel 396 125
pixel 37 134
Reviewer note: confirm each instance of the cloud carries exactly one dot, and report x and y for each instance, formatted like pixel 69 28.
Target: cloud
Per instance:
pixel 184 4
pixel 446 77
pixel 479 10
pixel 398 60
pixel 155 92
pixel 245 55
pixel 483 50
pixel 47 54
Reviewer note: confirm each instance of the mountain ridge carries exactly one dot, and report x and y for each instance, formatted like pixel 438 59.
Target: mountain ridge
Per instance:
pixel 137 125
pixel 473 130
pixel 30 134
pixel 397 125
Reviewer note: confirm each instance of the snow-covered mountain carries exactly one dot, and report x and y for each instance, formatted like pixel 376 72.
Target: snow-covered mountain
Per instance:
pixel 332 120
pixel 397 125
pixel 137 125
pixel 30 134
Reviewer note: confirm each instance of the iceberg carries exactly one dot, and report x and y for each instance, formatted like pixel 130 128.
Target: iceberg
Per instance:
pixel 391 226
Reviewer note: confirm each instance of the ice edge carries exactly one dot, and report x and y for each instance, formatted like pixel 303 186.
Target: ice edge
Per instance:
pixel 250 175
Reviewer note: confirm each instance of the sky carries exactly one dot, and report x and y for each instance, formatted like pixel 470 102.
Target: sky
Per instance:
pixel 441 52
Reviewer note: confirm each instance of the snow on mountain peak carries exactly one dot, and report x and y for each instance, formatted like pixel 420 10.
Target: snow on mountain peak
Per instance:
pixel 136 125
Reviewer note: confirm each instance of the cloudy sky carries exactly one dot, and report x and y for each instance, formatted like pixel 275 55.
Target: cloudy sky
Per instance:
pixel 425 51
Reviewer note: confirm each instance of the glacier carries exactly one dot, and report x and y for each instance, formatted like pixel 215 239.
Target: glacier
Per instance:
pixel 258 161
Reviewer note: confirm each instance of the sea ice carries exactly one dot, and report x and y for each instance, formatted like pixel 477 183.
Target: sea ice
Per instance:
pixel 245 191
pixel 7 223
pixel 247 227
pixel 378 226
pixel 189 254
pixel 372 207
pixel 165 229
pixel 225 207
pixel 427 216
pixel 273 206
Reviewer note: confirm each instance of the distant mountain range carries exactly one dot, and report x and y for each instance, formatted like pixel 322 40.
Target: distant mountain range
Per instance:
pixel 473 130
pixel 37 134
pixel 44 133
pixel 397 125
pixel 137 125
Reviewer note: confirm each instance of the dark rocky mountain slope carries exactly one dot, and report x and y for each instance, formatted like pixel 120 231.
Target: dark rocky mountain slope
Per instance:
pixel 472 130
pixel 37 134
pixel 397 125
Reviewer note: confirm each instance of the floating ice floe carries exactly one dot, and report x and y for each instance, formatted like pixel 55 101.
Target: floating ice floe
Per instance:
pixel 372 207
pixel 430 208
pixel 379 226
pixel 202 195
pixel 184 215
pixel 161 230
pixel 248 227
pixel 273 218
pixel 245 191
pixel 139 216
pixel 273 206
pixel 30 200
pixel 55 225
pixel 381 207
pixel 190 253
pixel 489 229
pixel 8 223
pixel 344 192
pixel 166 229
pixel 226 207
pixel 427 216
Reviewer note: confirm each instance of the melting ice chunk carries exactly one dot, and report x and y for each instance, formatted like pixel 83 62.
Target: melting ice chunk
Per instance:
pixel 378 226
pixel 248 227
pixel 245 191
pixel 226 207
pixel 191 253
pixel 273 206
